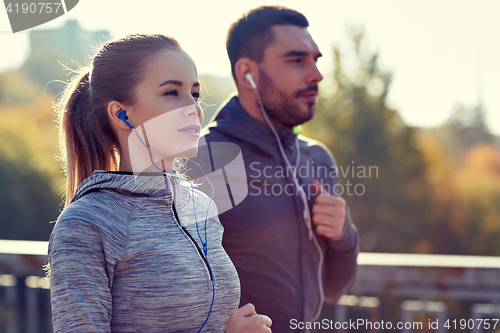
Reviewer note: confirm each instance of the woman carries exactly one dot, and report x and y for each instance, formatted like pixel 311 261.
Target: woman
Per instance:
pixel 128 254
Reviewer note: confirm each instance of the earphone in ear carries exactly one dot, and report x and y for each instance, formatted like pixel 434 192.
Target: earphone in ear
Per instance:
pixel 249 78
pixel 123 116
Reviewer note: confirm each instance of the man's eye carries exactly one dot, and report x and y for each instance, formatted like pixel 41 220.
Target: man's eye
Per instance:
pixel 296 60
pixel 171 93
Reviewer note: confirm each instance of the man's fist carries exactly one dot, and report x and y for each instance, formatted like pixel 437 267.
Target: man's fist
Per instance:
pixel 328 212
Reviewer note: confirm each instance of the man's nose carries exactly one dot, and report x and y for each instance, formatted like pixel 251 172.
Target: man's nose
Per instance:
pixel 314 76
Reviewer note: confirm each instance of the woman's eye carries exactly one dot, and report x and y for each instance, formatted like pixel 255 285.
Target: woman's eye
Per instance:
pixel 171 93
pixel 196 95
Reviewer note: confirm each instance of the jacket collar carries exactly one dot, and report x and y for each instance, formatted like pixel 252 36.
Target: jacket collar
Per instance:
pixel 155 188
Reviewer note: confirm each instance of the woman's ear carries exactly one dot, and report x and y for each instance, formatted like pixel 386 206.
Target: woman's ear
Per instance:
pixel 114 110
pixel 242 68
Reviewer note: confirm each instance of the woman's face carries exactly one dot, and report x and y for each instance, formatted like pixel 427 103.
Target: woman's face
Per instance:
pixel 167 115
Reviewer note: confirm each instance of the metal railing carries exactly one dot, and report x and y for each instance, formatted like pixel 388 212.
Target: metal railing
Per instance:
pixel 24 290
pixel 427 292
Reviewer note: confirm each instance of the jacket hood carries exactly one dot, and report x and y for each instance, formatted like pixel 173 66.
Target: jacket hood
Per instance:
pixel 152 190
pixel 234 121
pixel 152 186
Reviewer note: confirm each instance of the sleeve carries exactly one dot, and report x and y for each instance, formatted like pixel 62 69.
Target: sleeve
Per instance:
pixel 340 261
pixel 80 292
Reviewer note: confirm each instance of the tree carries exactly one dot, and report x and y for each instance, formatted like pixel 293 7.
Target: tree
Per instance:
pixel 476 210
pixel 29 173
pixel 16 88
pixel 469 127
pixel 355 122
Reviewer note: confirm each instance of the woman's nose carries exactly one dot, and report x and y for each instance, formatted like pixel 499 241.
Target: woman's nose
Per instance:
pixel 193 110
pixel 198 109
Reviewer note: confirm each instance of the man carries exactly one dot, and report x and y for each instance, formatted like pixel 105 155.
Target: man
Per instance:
pixel 288 262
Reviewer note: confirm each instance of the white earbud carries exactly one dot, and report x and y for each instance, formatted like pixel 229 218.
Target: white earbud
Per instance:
pixel 249 78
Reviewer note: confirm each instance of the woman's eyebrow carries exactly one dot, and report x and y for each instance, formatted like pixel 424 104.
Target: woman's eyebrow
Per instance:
pixel 174 82
pixel 177 83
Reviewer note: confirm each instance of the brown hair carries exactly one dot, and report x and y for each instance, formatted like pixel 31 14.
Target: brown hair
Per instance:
pixel 86 139
pixel 251 35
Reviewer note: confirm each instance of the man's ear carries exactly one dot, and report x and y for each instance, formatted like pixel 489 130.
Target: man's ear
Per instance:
pixel 241 69
pixel 114 109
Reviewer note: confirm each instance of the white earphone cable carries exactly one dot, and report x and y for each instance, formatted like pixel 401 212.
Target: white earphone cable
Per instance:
pixel 303 196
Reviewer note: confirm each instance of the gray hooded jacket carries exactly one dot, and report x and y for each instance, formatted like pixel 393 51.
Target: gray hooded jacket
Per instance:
pixel 283 271
pixel 124 259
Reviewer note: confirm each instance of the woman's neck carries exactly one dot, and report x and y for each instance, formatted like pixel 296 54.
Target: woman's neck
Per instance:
pixel 145 165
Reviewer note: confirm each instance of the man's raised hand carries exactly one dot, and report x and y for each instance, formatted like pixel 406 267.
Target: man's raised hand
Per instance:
pixel 328 212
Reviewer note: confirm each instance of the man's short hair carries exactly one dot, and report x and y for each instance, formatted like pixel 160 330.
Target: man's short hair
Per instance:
pixel 251 35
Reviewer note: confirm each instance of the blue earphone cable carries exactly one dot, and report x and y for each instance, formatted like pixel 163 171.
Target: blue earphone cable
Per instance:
pixel 149 150
pixel 206 216
pixel 205 246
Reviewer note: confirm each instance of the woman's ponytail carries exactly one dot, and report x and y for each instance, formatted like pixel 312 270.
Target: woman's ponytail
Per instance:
pixel 86 145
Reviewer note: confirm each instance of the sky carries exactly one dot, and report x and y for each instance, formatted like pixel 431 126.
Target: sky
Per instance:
pixel 439 52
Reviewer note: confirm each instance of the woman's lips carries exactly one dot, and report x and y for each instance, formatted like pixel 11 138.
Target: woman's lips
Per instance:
pixel 192 130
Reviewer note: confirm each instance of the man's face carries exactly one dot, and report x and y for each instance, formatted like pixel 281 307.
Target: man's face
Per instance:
pixel 288 76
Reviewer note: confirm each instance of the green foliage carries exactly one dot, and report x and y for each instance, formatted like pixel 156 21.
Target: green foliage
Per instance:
pixel 469 127
pixel 361 130
pixel 464 171
pixel 16 88
pixel 432 190
pixel 476 209
pixel 437 190
pixel 29 172
pixel 30 176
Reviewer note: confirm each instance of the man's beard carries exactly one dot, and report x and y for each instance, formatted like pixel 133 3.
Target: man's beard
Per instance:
pixel 281 108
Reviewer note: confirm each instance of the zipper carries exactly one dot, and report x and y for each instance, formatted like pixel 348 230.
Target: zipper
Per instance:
pixel 312 237
pixel 199 252
pixel 176 218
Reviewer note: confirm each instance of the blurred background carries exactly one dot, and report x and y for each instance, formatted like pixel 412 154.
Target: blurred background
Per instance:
pixel 410 89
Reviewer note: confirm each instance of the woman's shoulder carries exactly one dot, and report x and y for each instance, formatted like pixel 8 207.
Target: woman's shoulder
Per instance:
pixel 96 212
pixel 87 226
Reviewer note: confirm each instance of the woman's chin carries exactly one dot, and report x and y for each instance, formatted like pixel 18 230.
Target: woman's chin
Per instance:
pixel 188 153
